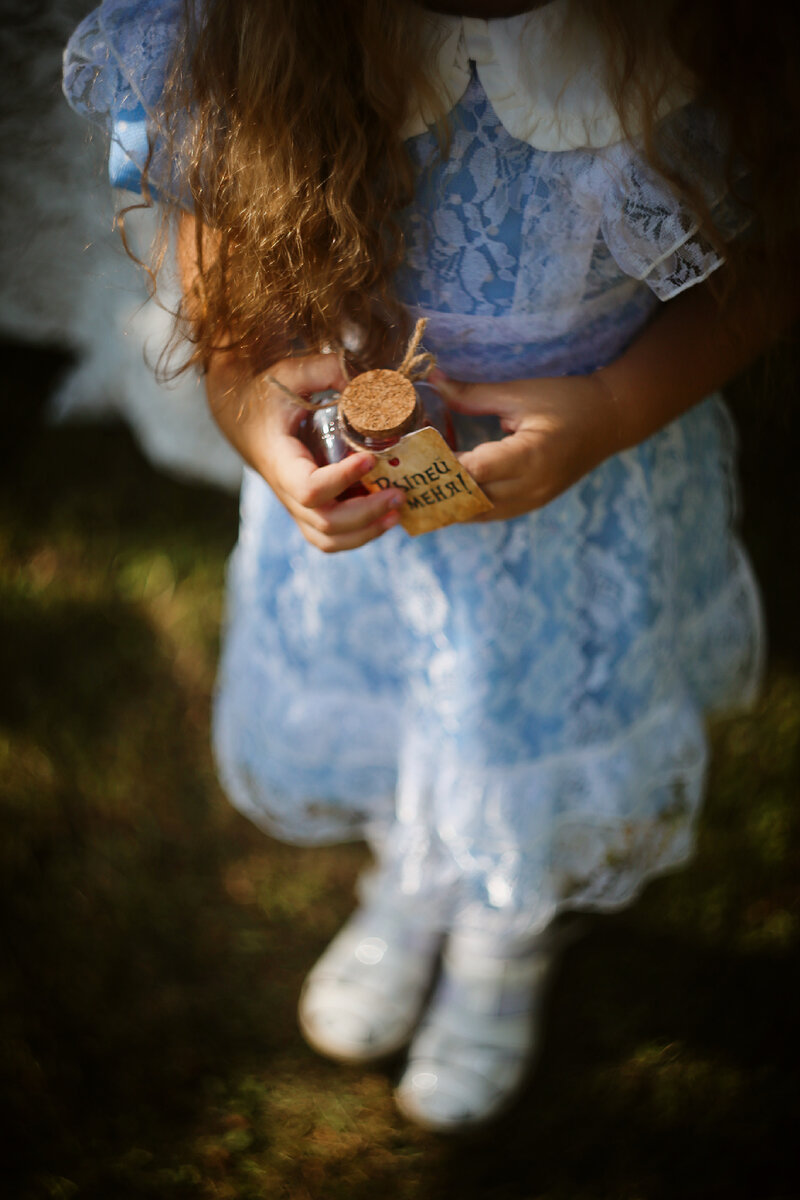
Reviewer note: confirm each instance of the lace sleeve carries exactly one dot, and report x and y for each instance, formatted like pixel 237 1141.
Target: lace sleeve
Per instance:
pixel 115 65
pixel 648 228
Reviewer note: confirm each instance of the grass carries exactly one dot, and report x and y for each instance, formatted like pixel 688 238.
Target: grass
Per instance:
pixel 154 942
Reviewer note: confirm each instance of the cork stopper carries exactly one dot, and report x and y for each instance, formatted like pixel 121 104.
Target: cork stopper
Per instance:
pixel 379 404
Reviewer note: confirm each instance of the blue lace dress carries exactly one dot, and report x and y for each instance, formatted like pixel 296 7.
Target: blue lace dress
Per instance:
pixel 511 712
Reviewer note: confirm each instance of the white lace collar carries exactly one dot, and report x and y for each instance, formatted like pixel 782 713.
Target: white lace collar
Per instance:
pixel 542 72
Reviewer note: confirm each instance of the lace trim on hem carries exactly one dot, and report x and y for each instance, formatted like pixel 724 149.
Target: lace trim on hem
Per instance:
pixel 621 859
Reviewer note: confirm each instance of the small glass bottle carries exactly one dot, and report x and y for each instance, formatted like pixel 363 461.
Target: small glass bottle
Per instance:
pixel 375 410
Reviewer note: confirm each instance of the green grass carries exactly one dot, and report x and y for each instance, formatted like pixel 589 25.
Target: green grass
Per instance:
pixel 154 942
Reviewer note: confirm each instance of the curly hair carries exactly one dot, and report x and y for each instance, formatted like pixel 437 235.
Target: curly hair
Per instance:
pixel 294 157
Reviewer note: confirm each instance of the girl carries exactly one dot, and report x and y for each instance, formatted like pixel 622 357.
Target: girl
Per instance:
pixel 510 711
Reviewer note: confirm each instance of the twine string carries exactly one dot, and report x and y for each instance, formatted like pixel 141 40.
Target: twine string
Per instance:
pixel 417 366
pixel 309 405
pixel 414 366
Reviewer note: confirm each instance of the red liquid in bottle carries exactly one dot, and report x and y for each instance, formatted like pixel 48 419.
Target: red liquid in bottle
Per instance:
pixel 322 431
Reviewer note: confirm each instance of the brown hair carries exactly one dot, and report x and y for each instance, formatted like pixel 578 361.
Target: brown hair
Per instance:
pixel 294 159
pixel 294 156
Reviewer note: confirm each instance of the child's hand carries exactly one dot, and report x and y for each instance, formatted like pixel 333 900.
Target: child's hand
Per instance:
pixel 261 423
pixel 558 430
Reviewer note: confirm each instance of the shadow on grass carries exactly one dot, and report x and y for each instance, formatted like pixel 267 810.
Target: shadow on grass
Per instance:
pixel 134 980
pixel 155 942
pixel 664 1072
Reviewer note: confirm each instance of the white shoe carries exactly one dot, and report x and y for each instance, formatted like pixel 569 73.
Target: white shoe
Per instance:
pixel 474 1048
pixel 363 999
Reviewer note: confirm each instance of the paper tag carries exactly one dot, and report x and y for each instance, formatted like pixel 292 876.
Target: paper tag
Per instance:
pixel 439 491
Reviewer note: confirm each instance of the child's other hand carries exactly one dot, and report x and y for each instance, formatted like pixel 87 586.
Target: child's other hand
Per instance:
pixel 558 430
pixel 263 431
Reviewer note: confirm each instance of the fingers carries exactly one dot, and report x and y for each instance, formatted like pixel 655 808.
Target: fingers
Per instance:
pixel 348 524
pixel 511 498
pixel 309 493
pixel 510 472
pixel 353 515
pixel 475 398
pixel 508 459
pixel 312 486
pixel 313 373
pixel 331 543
